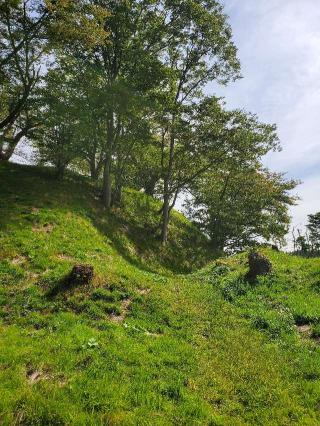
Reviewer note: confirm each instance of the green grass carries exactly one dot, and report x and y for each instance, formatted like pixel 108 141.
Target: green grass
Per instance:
pixel 146 343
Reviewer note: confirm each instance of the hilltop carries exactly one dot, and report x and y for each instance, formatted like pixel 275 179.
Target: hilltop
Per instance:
pixel 163 335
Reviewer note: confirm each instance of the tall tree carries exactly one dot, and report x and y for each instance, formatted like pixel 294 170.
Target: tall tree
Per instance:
pixel 57 138
pixel 209 138
pixel 239 206
pixel 86 86
pixel 130 69
pixel 21 46
pixel 28 32
pixel 313 227
pixel 198 49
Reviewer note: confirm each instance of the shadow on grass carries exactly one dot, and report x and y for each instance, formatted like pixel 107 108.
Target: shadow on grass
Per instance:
pixel 62 286
pixel 136 225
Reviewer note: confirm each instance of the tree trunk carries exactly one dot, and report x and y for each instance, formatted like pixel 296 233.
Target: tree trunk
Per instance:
pixel 11 140
pixel 60 170
pixel 94 175
pixel 3 157
pixel 165 221
pixel 117 196
pixel 166 193
pixel 93 170
pixel 118 182
pixel 107 185
pixel 106 190
pixel 165 214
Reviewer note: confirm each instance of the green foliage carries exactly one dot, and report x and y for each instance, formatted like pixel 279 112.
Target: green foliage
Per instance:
pixel 313 227
pixel 241 204
pixel 28 32
pixel 308 243
pixel 75 23
pixel 21 46
pixel 121 98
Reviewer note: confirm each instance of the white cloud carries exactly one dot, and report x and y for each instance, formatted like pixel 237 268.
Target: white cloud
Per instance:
pixel 279 49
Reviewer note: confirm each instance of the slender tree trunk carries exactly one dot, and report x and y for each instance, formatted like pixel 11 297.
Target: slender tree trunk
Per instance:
pixel 166 193
pixel 117 198
pixel 94 173
pixel 106 190
pixel 107 184
pixel 10 119
pixel 3 156
pixel 118 181
pixel 11 140
pixel 60 170
pixel 165 218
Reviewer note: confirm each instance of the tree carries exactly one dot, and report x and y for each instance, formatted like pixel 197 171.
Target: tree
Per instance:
pixel 85 85
pixel 130 67
pixel 144 168
pixel 57 138
pixel 21 46
pixel 208 137
pixel 313 227
pixel 198 49
pixel 28 32
pixel 234 199
pixel 302 245
pixel 239 205
pixel 132 142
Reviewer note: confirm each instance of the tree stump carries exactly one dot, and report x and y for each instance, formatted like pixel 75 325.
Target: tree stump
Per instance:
pixel 81 275
pixel 258 265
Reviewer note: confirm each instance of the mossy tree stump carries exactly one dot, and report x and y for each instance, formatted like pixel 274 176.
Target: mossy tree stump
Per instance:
pixel 81 275
pixel 259 265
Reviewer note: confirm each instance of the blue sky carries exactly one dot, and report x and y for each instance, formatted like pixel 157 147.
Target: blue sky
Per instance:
pixel 279 50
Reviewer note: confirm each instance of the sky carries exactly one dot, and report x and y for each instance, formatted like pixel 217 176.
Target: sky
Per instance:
pixel 278 45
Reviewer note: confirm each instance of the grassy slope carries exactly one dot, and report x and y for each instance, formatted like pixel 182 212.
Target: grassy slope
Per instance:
pixel 144 345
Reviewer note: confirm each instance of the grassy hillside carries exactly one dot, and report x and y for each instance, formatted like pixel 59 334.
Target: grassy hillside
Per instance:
pixel 144 344
pixel 33 201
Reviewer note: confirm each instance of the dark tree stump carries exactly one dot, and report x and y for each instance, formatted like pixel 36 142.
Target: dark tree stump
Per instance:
pixel 258 265
pixel 81 275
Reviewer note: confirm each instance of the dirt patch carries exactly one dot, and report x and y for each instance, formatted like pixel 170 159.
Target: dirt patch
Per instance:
pixel 124 309
pixel 33 275
pixel 47 228
pixel 35 376
pixel 62 381
pixel 143 291
pixel 304 329
pixel 153 334
pixel 19 260
pixel 65 257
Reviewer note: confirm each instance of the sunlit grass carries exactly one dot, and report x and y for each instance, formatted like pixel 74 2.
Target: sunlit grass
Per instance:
pixel 144 345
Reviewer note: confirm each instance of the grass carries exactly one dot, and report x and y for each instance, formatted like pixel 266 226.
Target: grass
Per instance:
pixel 146 343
